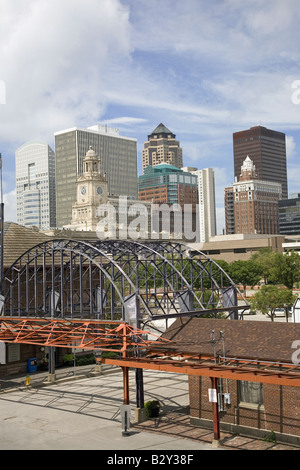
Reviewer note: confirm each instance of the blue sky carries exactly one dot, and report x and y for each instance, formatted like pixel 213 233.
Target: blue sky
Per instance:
pixel 204 69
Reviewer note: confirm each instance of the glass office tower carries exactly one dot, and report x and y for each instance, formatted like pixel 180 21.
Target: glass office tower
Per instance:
pixel 35 184
pixel 118 157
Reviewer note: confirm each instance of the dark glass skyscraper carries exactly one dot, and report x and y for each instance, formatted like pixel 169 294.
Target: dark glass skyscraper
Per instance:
pixel 267 149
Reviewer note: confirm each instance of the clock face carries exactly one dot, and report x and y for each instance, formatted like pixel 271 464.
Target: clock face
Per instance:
pixel 83 190
pixel 99 190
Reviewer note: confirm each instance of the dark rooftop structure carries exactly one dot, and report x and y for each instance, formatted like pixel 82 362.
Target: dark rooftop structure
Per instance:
pixel 244 339
pixel 162 131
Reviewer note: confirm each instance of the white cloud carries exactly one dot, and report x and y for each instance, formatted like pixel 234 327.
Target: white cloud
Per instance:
pixel 9 200
pixel 56 57
pixel 290 146
pixel 125 120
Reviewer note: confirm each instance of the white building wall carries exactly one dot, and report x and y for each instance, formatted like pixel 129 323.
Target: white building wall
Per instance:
pixel 207 202
pixel 35 184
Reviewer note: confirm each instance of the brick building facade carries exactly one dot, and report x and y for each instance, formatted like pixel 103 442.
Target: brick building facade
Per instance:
pixel 251 205
pixel 279 412
pixel 249 408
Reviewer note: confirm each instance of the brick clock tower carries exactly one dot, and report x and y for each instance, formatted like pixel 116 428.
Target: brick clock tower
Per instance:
pixel 91 192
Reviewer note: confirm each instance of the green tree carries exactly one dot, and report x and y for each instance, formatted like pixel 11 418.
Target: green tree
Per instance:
pixel 286 269
pixel 245 272
pixel 265 258
pixel 270 297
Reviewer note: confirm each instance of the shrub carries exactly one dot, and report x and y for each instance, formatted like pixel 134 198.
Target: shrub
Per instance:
pixel 152 408
pixel 85 360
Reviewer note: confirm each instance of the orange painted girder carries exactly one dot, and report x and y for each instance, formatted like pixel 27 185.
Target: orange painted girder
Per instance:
pixel 210 370
pixel 83 334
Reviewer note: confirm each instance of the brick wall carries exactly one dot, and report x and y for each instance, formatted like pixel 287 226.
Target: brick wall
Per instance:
pixel 280 412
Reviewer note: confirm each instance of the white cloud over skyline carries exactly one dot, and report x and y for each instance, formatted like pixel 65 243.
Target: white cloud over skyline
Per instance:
pixel 204 69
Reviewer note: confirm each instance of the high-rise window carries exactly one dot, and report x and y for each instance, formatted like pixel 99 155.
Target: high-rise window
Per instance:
pixel 31 174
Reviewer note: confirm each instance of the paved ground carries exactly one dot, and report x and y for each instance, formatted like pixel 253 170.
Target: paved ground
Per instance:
pixel 84 414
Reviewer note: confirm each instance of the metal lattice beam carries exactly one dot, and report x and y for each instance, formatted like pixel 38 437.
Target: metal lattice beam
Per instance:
pixel 92 335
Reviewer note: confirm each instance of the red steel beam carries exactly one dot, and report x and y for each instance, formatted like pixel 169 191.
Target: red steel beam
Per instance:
pixel 210 370
pixel 84 334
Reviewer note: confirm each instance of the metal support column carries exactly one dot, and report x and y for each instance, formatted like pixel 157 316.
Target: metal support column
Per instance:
pixel 216 418
pixel 139 388
pixel 139 377
pixel 126 384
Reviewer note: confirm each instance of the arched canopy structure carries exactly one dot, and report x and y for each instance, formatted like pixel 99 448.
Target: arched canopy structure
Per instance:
pixel 115 280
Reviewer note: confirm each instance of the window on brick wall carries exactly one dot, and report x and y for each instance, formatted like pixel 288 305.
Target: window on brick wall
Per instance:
pixel 251 392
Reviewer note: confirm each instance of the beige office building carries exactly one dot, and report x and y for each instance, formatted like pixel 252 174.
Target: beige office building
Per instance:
pixel 118 156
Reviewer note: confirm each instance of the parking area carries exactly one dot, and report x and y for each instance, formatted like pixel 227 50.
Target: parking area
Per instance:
pixel 84 414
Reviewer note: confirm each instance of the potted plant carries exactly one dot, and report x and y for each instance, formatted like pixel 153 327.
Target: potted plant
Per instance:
pixel 152 408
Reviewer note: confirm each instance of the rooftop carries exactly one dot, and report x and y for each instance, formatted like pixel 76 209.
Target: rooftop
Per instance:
pixel 162 131
pixel 19 239
pixel 253 340
pixel 97 129
pixel 163 167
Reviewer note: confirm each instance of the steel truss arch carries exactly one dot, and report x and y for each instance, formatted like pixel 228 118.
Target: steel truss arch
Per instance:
pixel 115 279
pixel 146 253
pixel 25 285
pixel 200 263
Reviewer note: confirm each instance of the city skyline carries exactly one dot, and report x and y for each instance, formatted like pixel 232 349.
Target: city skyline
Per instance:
pixel 230 66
